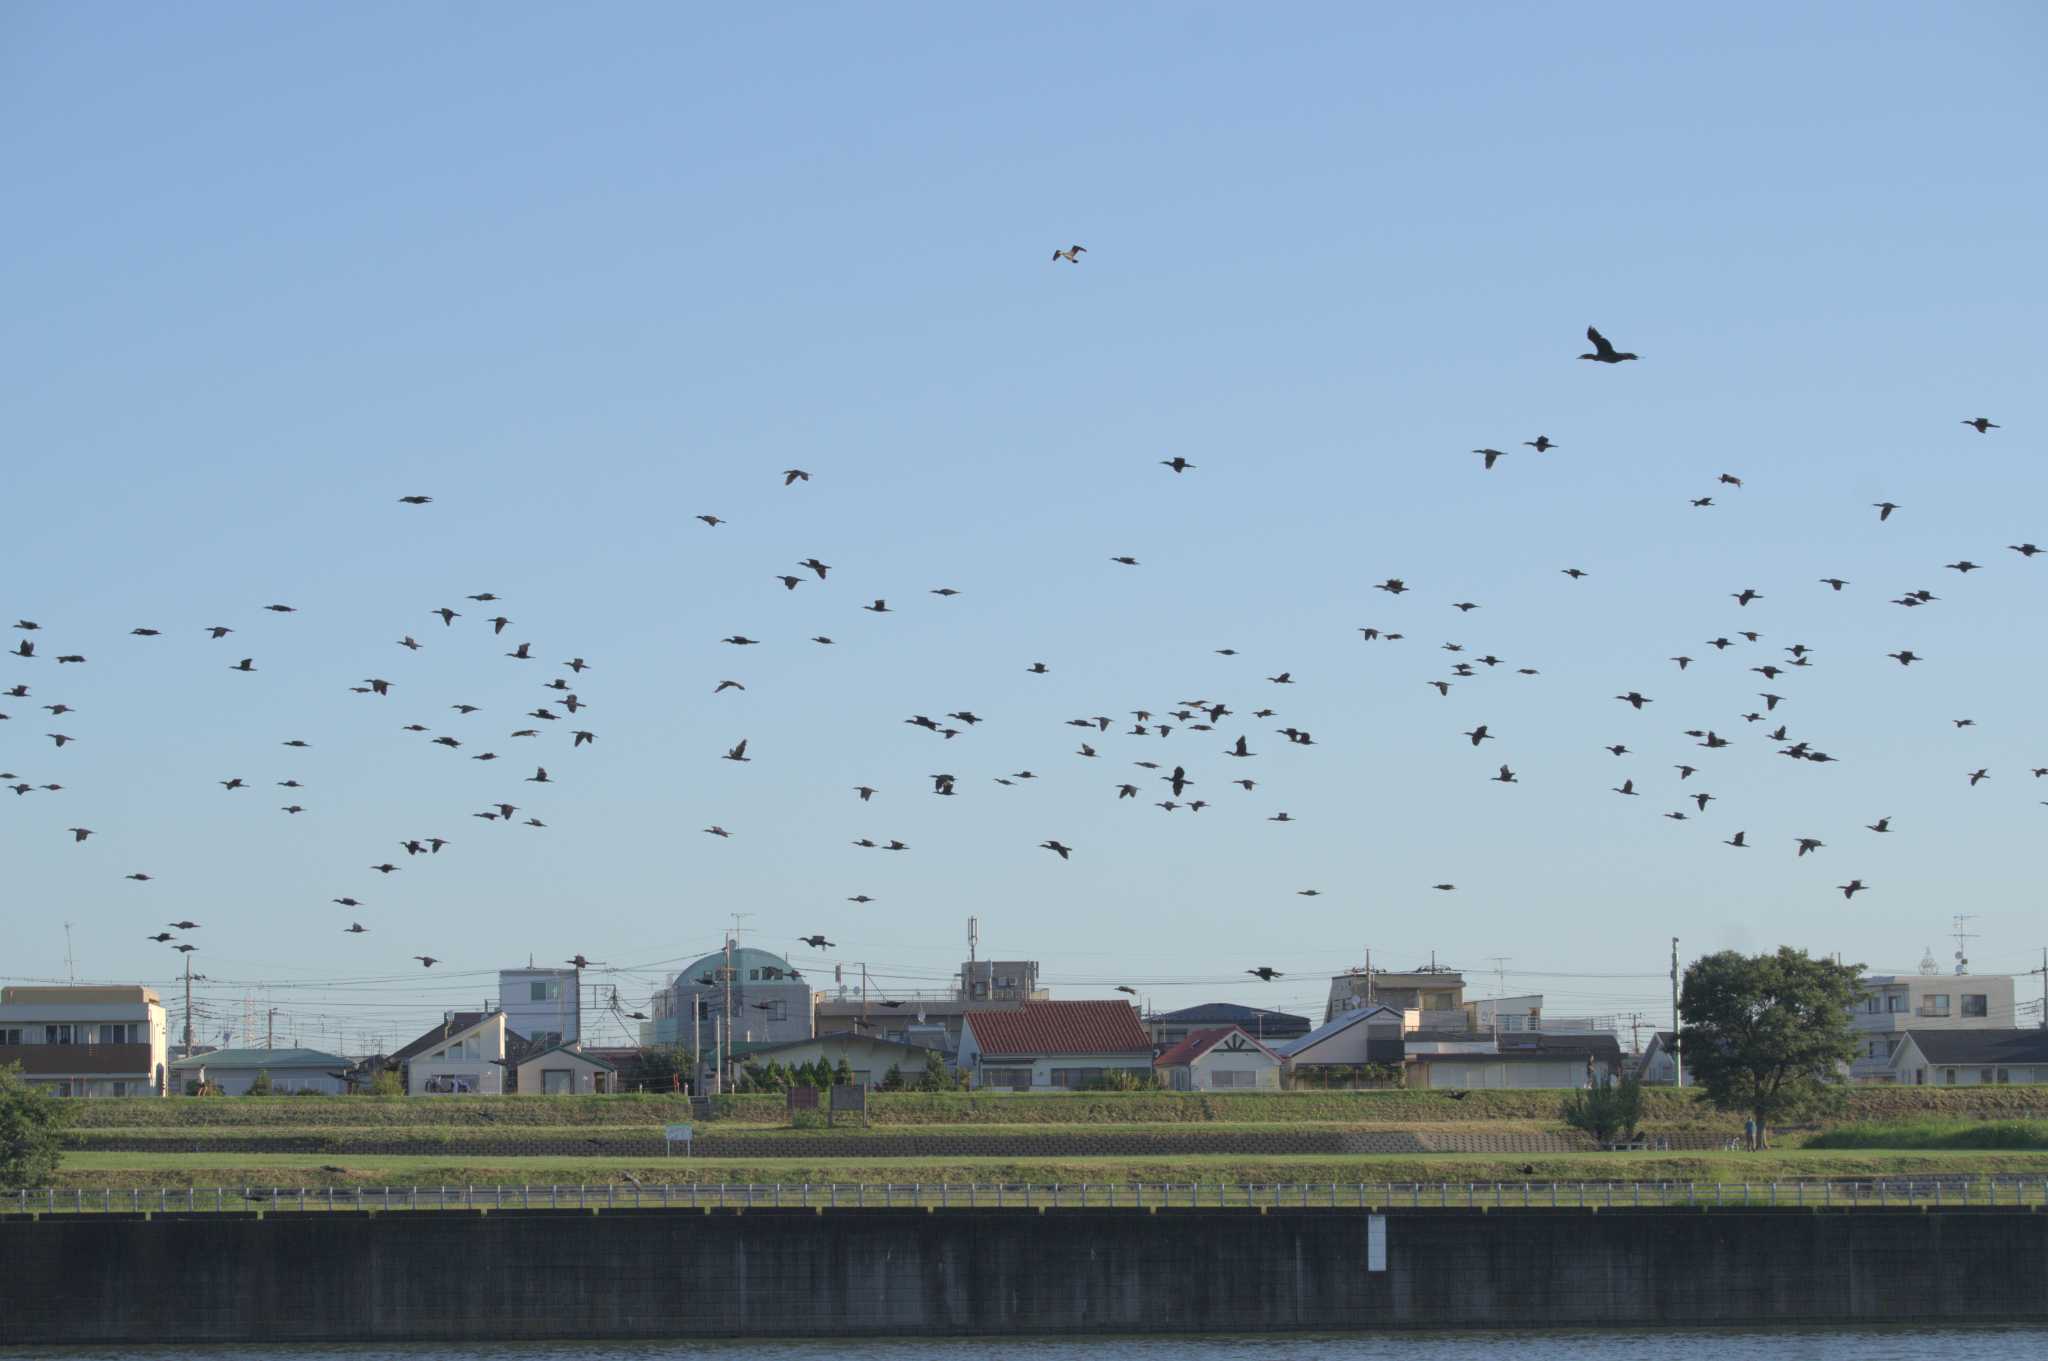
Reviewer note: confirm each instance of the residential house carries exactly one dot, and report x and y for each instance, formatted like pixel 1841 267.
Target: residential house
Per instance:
pixel 1515 1061
pixel 1424 990
pixel 1171 1027
pixel 869 1057
pixel 1892 1004
pixel 1049 1044
pixel 563 1070
pixel 1225 1058
pixel 930 1018
pixel 1353 1039
pixel 1970 1058
pixel 290 1071
pixel 1659 1065
pixel 545 1006
pixel 464 1056
pixel 86 1041
pixel 742 995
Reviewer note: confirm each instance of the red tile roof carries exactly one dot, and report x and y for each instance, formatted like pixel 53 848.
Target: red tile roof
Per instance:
pixel 1201 1042
pixel 1061 1028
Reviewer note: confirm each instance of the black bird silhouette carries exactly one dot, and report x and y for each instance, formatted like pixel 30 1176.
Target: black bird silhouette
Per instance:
pixel 184 926
pixel 817 942
pixel 1063 852
pixel 1126 561
pixel 414 500
pixel 790 476
pixel 1883 824
pixel 1745 595
pixel 1884 509
pixel 1265 974
pixel 1177 463
pixel 1737 841
pixel 1835 582
pixel 2026 550
pixel 160 937
pixel 879 607
pixel 711 520
pixel 819 567
pixel 1478 734
pixel 426 961
pixel 1492 455
pixel 1542 444
pixel 1906 657
pixel 738 753
pixel 1635 701
pixel 448 616
pixel 1982 424
pixel 1978 775
pixel 246 664
pixel 1603 349
pixel 1852 888
pixel 354 929
pixel 1506 776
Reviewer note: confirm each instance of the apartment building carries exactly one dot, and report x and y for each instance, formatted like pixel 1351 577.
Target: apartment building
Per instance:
pixel 86 1041
pixel 1893 1004
pixel 1425 990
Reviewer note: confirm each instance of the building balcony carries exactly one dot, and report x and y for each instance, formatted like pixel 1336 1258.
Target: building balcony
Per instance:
pixel 79 1060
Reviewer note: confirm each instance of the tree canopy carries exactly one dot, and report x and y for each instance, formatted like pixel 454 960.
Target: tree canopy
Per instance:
pixel 30 1121
pixel 1768 1035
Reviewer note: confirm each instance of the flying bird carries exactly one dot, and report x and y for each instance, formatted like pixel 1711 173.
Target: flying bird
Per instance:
pixel 1852 888
pixel 414 500
pixel 1072 254
pixel 791 476
pixel 1177 463
pixel 738 753
pixel 1884 509
pixel 1265 974
pixel 1603 349
pixel 1063 852
pixel 1982 424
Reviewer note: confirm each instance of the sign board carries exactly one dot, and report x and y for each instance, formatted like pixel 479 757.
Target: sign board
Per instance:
pixel 1376 1243
pixel 671 1135
pixel 803 1098
pixel 852 1099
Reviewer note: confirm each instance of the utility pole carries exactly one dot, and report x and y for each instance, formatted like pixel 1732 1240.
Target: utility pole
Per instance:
pixel 725 1045
pixel 188 1007
pixel 270 1029
pixel 1677 1063
pixel 1500 989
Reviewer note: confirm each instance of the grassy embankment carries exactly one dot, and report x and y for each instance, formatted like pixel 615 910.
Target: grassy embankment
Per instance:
pixel 93 1170
pixel 1892 1131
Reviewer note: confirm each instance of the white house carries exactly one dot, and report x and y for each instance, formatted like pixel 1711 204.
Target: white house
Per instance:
pixel 1892 1004
pixel 470 1060
pixel 86 1041
pixel 1970 1058
pixel 564 1070
pixel 1659 1066
pixel 1351 1039
pixel 1518 1061
pixel 1221 1059
pixel 868 1057
pixel 291 1071
pixel 1054 1045
pixel 543 1005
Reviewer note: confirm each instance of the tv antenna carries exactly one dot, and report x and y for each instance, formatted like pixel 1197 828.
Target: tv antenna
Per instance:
pixel 70 964
pixel 1961 934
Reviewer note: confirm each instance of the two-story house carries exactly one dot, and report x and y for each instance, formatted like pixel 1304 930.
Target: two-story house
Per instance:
pixel 86 1041
pixel 1893 1004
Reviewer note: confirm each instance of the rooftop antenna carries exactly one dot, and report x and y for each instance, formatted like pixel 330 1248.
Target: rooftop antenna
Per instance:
pixel 1929 965
pixel 973 937
pixel 1962 934
pixel 70 964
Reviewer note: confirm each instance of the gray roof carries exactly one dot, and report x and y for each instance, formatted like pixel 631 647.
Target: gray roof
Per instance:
pixel 1528 1045
pixel 1255 1020
pixel 275 1060
pixel 573 1048
pixel 1343 1021
pixel 1987 1047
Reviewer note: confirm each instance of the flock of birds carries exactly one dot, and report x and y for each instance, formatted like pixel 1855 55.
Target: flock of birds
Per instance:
pixel 1190 781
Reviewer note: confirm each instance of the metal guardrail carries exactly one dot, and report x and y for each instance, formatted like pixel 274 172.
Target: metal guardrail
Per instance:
pixel 1894 1192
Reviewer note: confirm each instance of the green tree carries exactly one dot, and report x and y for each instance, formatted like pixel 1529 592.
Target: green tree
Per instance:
pixel 1609 1110
pixel 935 1078
pixel 1768 1035
pixel 386 1083
pixel 30 1123
pixel 842 1073
pixel 260 1084
pixel 892 1081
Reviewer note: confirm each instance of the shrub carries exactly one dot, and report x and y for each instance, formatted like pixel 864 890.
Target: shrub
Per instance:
pixel 386 1083
pixel 1609 1111
pixel 31 1126
pixel 259 1085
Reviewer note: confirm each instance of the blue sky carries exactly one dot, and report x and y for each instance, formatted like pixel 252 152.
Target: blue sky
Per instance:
pixel 581 276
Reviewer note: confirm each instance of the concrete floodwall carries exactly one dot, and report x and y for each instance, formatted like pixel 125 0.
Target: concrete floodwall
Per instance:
pixel 465 1276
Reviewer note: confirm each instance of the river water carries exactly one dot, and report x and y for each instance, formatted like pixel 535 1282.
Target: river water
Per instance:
pixel 1887 1344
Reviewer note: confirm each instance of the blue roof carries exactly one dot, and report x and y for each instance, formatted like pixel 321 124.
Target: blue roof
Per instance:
pixel 273 1059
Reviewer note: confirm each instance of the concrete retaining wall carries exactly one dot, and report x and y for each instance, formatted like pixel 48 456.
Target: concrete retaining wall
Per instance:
pixel 455 1276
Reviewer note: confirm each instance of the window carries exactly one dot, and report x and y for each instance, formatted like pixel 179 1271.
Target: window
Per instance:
pixel 1986 1076
pixel 1948 1077
pixel 776 1011
pixel 11 1035
pixel 1976 1004
pixel 1074 1078
pixel 120 1088
pixel 1870 1003
pixel 120 1032
pixel 57 1034
pixel 2004 1075
pixel 1895 1003
pixel 1934 1004
pixel 1233 1077
pixel 544 990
